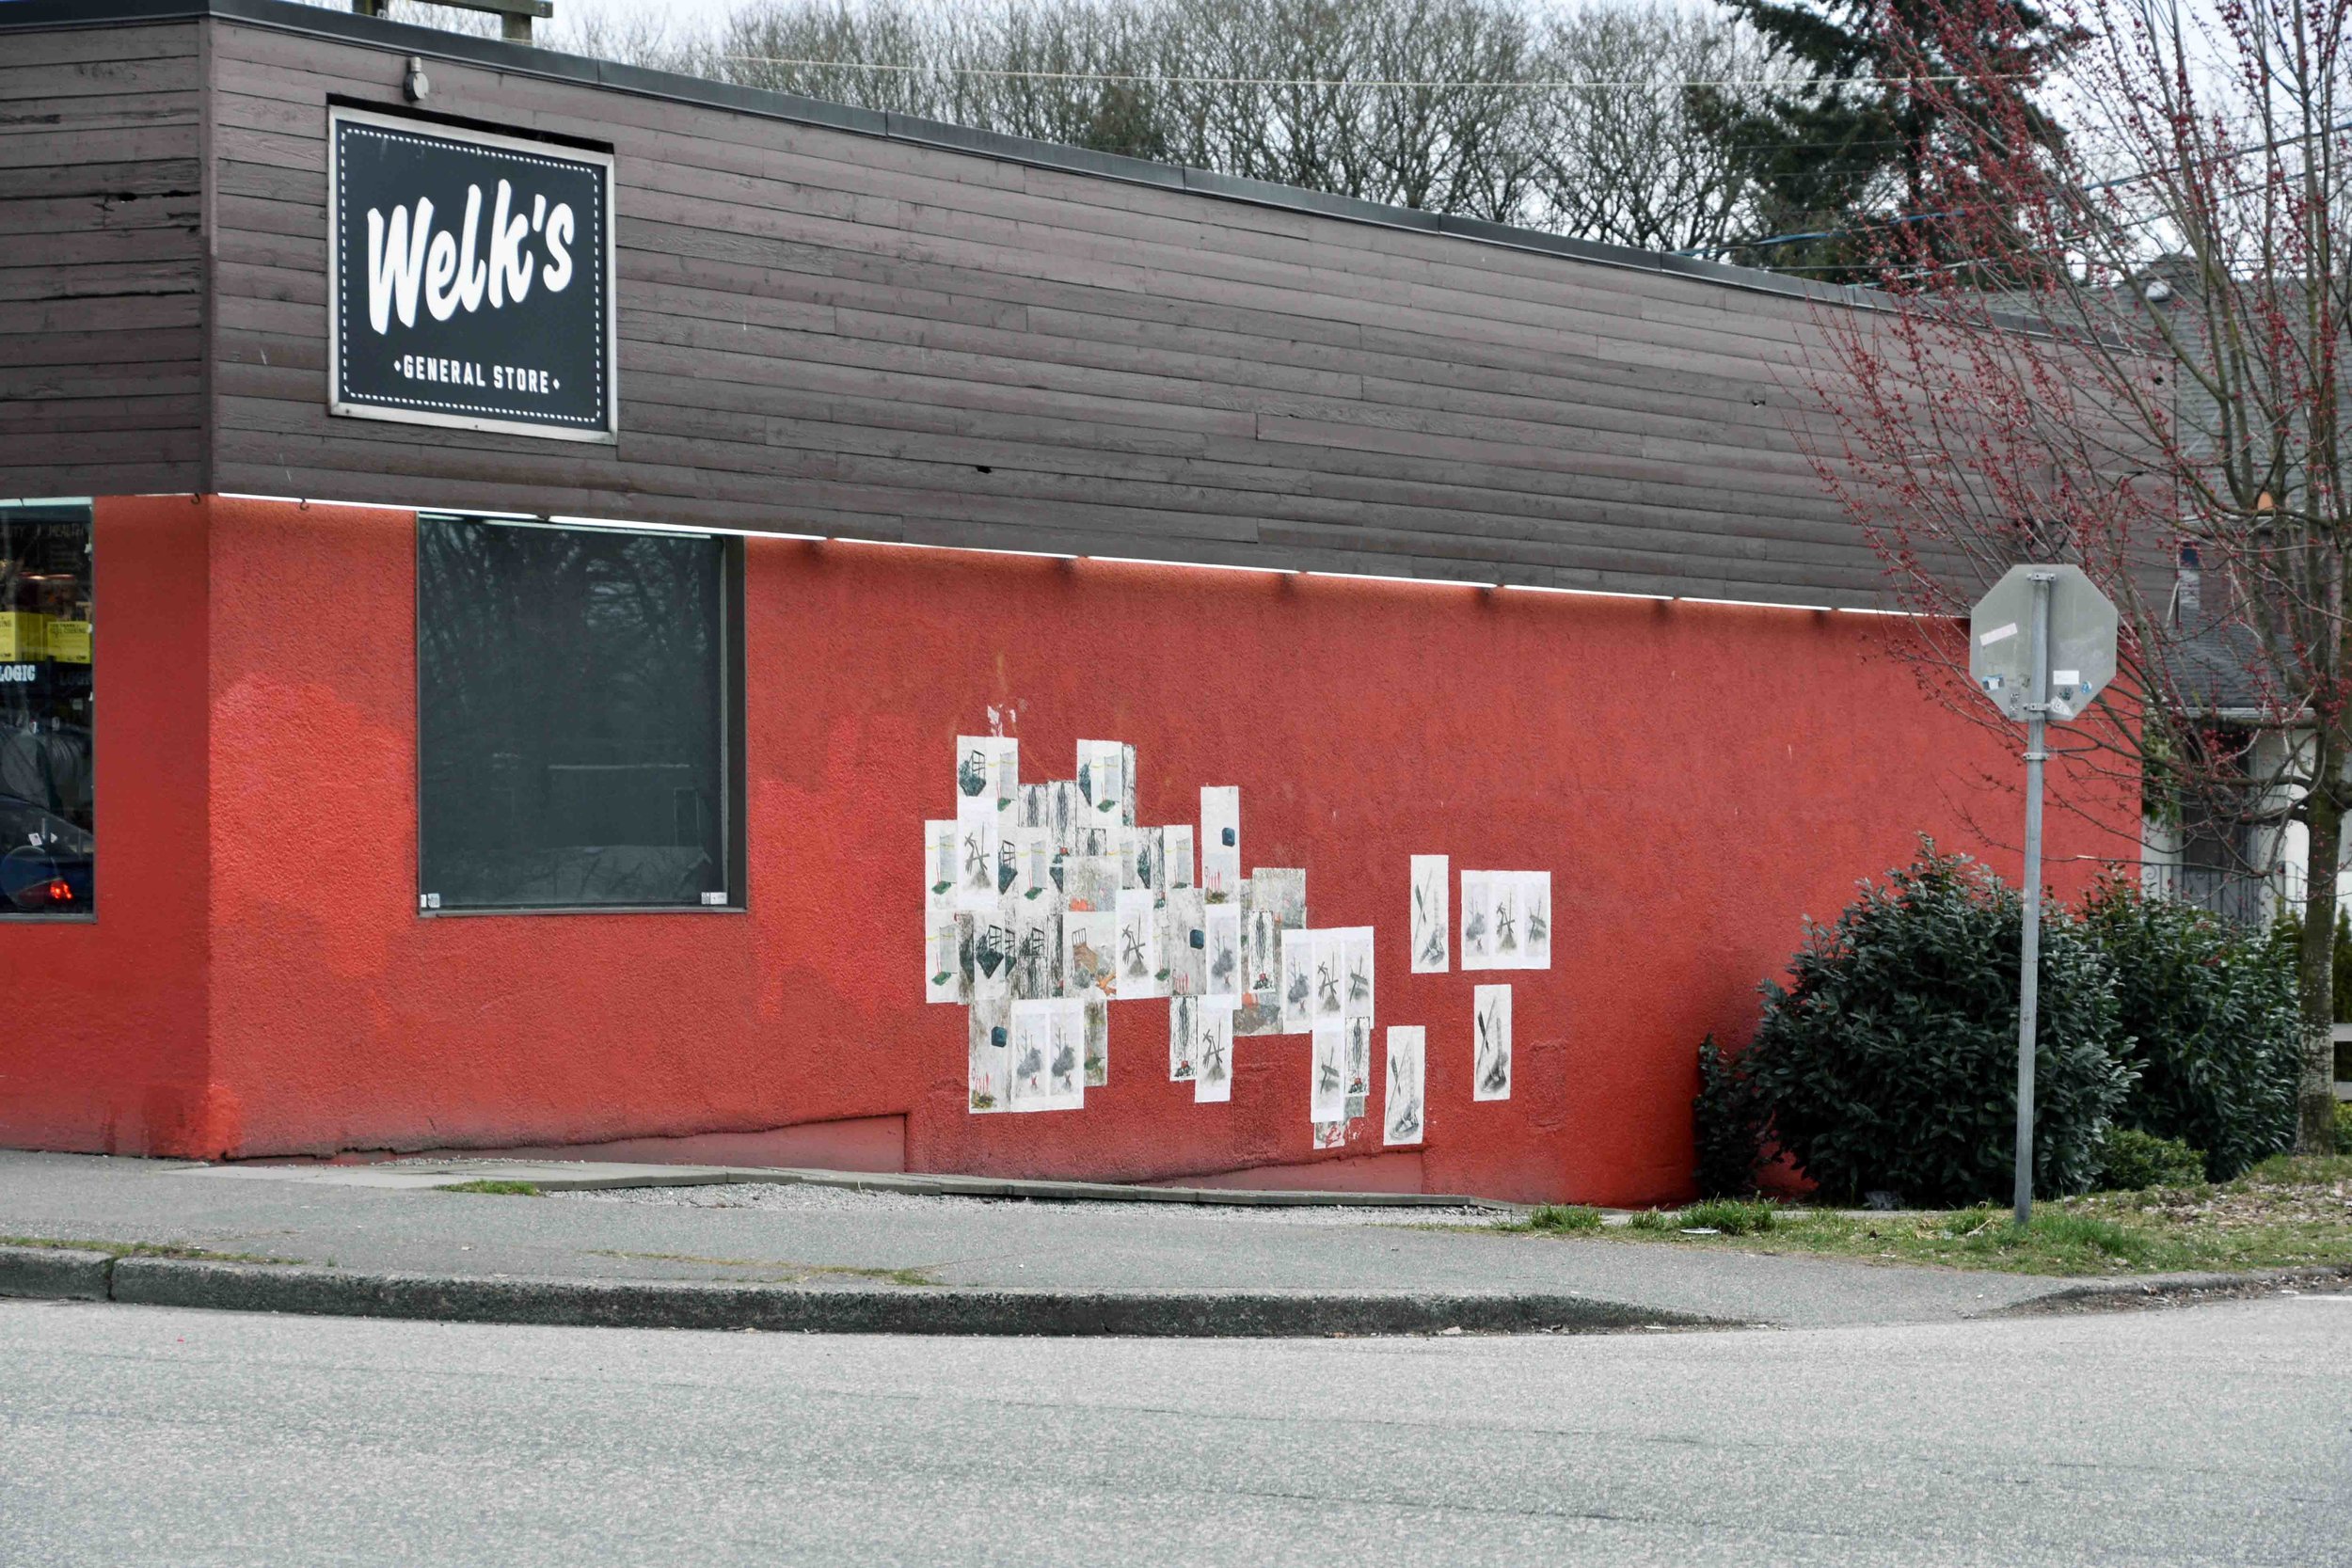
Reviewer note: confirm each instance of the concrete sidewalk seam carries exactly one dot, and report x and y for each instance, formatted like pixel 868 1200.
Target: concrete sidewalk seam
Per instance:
pixel 56 1274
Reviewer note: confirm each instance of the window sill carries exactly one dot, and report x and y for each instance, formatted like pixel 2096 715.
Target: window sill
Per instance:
pixel 478 913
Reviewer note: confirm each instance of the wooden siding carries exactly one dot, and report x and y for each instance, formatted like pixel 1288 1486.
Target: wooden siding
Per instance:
pixel 101 261
pixel 828 332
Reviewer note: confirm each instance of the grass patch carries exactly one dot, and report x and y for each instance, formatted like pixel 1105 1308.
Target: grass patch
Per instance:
pixel 2289 1212
pixel 1556 1219
pixel 145 1249
pixel 795 1273
pixel 497 1189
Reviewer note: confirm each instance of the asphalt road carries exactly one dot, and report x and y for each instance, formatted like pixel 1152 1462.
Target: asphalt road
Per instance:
pixel 2211 1434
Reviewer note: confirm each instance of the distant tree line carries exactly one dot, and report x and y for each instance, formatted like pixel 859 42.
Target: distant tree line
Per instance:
pixel 1646 123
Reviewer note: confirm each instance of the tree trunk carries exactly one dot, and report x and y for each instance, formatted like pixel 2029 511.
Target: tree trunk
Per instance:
pixel 2316 1099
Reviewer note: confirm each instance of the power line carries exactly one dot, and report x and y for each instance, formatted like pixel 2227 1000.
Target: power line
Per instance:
pixel 1790 84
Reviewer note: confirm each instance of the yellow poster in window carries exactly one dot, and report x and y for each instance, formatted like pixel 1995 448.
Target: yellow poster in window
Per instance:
pixel 69 642
pixel 24 637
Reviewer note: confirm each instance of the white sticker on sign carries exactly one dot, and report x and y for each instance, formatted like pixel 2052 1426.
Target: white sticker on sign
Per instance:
pixel 1998 634
pixel 2067 677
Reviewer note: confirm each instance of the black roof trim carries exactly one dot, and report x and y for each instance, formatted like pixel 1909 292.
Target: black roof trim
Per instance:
pixel 527 60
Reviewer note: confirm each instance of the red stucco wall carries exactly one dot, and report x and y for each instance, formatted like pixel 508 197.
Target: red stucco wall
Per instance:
pixel 1696 777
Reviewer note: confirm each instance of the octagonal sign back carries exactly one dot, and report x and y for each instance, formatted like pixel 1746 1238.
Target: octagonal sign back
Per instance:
pixel 2082 642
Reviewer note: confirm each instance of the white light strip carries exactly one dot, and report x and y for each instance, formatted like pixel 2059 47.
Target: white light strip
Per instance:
pixel 47 500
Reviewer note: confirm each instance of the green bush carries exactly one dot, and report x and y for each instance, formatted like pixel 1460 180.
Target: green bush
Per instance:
pixel 1890 1062
pixel 1653 1219
pixel 1727 1122
pixel 2343 1126
pixel 2286 939
pixel 2210 1014
pixel 2133 1160
pixel 1564 1217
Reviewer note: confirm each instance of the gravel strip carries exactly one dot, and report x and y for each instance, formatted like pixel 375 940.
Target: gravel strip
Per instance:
pixel 809 1199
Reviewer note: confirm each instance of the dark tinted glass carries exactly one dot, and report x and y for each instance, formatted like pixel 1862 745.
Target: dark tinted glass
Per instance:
pixel 571 717
pixel 48 819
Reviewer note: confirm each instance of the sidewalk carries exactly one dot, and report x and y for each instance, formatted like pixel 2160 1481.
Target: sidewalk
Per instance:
pixel 720 1248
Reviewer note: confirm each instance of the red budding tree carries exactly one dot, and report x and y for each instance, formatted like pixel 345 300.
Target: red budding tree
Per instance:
pixel 2124 347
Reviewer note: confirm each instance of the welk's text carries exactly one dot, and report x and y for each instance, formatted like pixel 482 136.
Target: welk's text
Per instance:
pixel 409 256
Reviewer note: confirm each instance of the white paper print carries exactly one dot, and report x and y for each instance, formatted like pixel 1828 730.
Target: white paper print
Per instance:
pixel 988 768
pixel 977 855
pixel 1183 1037
pixel 1502 904
pixel 1477 928
pixel 1327 1090
pixel 1331 1134
pixel 1535 914
pixel 1091 882
pixel 1221 925
pixel 1185 942
pixel 1034 806
pixel 1127 785
pixel 1103 782
pixel 1065 815
pixel 943 976
pixel 1356 971
pixel 1032 863
pixel 1490 1043
pixel 1331 975
pixel 1296 981
pixel 1140 970
pixel 1221 842
pixel 1048 1038
pixel 991 1056
pixel 1431 922
pixel 1089 947
pixel 1280 894
pixel 941 864
pixel 1358 1065
pixel 992 941
pixel 1036 948
pixel 1213 1053
pixel 1401 1117
pixel 1176 851
pixel 1095 1012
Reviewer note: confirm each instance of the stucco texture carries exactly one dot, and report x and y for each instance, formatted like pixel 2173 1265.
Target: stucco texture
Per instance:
pixel 1696 777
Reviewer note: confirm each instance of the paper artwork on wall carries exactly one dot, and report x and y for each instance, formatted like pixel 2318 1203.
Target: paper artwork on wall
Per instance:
pixel 1296 981
pixel 1358 1065
pixel 1401 1116
pixel 1328 1064
pixel 945 978
pixel 991 942
pixel 1185 942
pixel 1048 1068
pixel 1032 863
pixel 1036 948
pixel 1129 785
pixel 1140 970
pixel 990 1029
pixel 1477 948
pixel 1103 782
pixel 1535 911
pixel 1176 852
pixel 1089 941
pixel 942 864
pixel 1220 843
pixel 1183 1037
pixel 1356 971
pixel 1065 815
pixel 1490 1042
pixel 1091 882
pixel 1331 975
pixel 1331 1134
pixel 1502 901
pixel 1221 925
pixel 1212 1055
pixel 1431 922
pixel 1094 1013
pixel 978 845
pixel 988 768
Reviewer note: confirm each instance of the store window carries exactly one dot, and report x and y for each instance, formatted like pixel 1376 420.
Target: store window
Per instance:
pixel 48 822
pixel 577 720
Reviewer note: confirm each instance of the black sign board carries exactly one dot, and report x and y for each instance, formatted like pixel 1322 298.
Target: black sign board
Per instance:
pixel 472 279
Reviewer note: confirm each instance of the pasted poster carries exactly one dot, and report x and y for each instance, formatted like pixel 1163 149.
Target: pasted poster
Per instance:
pixel 1506 920
pixel 945 978
pixel 991 940
pixel 1490 1042
pixel 1185 942
pixel 1331 1134
pixel 1331 975
pixel 988 768
pixel 1213 1052
pixel 1535 911
pixel 978 855
pixel 1089 940
pixel 1176 851
pixel 1477 948
pixel 1431 918
pixel 1095 1012
pixel 1221 925
pixel 1296 981
pixel 1183 1037
pixel 1048 1039
pixel 1221 842
pixel 1358 1065
pixel 990 1047
pixel 1356 971
pixel 1328 1064
pixel 1103 782
pixel 1401 1118
pixel 1140 972
pixel 1036 948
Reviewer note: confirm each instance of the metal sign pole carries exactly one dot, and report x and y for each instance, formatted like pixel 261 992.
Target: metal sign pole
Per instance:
pixel 2029 962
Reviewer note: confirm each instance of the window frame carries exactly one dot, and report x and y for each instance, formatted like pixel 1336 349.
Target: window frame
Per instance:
pixel 733 839
pixel 88 506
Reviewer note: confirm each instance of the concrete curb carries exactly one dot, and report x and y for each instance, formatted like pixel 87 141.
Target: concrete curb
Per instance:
pixel 2157 1288
pixel 56 1274
pixel 945 1310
